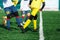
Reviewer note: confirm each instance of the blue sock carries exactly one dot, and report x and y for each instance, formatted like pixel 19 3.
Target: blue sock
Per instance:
pixel 26 18
pixel 18 21
pixel 21 20
pixel 8 24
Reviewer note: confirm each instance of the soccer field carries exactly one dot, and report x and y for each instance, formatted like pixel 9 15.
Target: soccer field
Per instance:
pixel 51 29
pixel 51 25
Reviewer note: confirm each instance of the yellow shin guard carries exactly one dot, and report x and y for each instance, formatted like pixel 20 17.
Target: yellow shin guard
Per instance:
pixel 34 22
pixel 27 23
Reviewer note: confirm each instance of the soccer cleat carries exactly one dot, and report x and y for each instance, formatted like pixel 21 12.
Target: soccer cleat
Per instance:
pixel 9 29
pixel 23 22
pixel 35 30
pixel 21 27
pixel 26 29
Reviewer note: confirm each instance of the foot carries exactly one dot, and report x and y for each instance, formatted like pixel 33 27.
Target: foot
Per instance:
pixel 8 29
pixel 21 27
pixel 23 22
pixel 35 30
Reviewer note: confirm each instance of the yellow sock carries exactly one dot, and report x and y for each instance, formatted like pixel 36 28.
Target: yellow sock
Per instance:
pixel 34 22
pixel 27 23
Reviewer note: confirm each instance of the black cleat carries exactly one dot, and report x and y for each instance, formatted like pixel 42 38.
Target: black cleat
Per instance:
pixel 5 27
pixel 8 29
pixel 21 27
pixel 35 30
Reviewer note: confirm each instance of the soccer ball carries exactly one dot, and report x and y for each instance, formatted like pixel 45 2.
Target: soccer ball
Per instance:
pixel 4 20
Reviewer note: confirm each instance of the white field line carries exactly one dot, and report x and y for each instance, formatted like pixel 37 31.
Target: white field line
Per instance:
pixel 41 27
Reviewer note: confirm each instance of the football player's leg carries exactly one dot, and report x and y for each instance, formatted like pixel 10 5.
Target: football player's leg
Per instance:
pixel 18 21
pixel 15 12
pixel 28 21
pixel 35 22
pixel 7 11
pixel 27 16
pixel 34 13
pixel 23 16
pixel 30 18
pixel 8 19
pixel 17 18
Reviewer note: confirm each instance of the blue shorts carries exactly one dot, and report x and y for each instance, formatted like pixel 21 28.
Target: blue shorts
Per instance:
pixel 11 9
pixel 25 12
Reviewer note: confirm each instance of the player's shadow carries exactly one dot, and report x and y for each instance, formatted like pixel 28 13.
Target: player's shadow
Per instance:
pixel 31 29
pixel 58 29
pixel 1 26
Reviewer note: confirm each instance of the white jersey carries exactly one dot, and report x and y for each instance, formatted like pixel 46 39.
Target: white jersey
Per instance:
pixel 7 3
pixel 24 6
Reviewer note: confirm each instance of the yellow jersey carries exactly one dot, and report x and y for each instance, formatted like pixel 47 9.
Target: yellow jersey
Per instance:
pixel 15 2
pixel 36 3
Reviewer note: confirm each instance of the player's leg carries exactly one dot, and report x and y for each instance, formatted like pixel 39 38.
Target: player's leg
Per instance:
pixel 7 24
pixel 15 12
pixel 33 13
pixel 23 16
pixel 8 21
pixel 28 22
pixel 17 18
pixel 27 15
pixel 35 18
pixel 18 21
pixel 35 23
